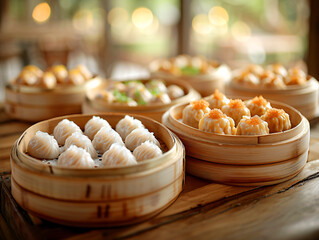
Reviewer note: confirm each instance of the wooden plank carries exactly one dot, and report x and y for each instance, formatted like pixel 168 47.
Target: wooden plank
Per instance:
pixel 13 128
pixel 8 141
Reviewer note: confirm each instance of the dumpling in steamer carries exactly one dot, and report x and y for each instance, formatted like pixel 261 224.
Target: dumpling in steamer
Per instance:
pixel 81 141
pixel 236 109
pixel 75 157
pixel 146 150
pixel 277 119
pixel 64 129
pixel 252 126
pixel 217 100
pixel 117 155
pixel 94 125
pixel 139 136
pixel 217 122
pixel 194 112
pixel 104 138
pixel 175 91
pixel 43 146
pixel 257 106
pixel 126 125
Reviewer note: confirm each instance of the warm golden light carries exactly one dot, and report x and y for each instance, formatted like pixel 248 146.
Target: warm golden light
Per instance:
pixel 82 20
pixel 218 16
pixel 41 13
pixel 151 29
pixel 142 17
pixel 201 24
pixel 117 16
pixel 241 31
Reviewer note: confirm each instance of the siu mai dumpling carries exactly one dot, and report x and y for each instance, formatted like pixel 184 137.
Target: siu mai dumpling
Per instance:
pixel 252 126
pixel 43 146
pixel 146 150
pixel 85 72
pixel 117 155
pixel 64 129
pixel 278 69
pixel 217 100
pixel 94 125
pixel 277 119
pixel 60 72
pixel 236 109
pixel 139 136
pixel 257 106
pixel 126 125
pixel 104 138
pixel 217 122
pixel 75 157
pixel 194 112
pixel 82 141
pixel 48 80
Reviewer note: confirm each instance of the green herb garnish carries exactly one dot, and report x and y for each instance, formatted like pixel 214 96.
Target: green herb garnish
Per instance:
pixel 121 96
pixel 190 70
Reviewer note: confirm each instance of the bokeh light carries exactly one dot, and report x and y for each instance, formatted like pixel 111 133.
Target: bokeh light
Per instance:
pixel 82 20
pixel 41 13
pixel 218 16
pixel 118 16
pixel 201 24
pixel 241 31
pixel 142 17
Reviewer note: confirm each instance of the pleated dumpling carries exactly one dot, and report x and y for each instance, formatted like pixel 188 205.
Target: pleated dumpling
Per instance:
pixel 236 109
pixel 94 125
pixel 104 138
pixel 139 136
pixel 257 106
pixel 175 91
pixel 75 157
pixel 277 119
pixel 64 129
pixel 217 122
pixel 117 155
pixel 82 141
pixel 126 125
pixel 43 146
pixel 193 112
pixel 217 100
pixel 252 126
pixel 146 150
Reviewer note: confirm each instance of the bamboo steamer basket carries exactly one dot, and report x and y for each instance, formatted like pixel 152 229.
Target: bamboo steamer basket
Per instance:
pixel 303 98
pixel 98 197
pixel 35 103
pixel 154 111
pixel 205 84
pixel 244 160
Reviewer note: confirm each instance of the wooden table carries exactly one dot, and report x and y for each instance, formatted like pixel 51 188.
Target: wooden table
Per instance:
pixel 204 210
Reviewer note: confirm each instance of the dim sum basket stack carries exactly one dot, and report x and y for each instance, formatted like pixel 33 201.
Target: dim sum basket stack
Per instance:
pixel 99 196
pixel 154 111
pixel 304 98
pixel 244 160
pixel 35 104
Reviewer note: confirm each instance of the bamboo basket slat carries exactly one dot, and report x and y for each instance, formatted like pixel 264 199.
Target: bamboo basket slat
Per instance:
pixel 244 160
pixel 154 111
pixel 205 84
pixel 103 196
pixel 245 174
pixel 303 98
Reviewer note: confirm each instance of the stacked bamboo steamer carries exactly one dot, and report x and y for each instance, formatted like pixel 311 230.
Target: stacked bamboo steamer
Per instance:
pixel 304 98
pixel 155 111
pixel 244 160
pixel 97 197
pixel 35 104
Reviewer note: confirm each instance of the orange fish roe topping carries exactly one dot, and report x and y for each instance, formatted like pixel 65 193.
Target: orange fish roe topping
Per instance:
pixel 274 113
pixel 216 114
pixel 260 101
pixel 218 95
pixel 200 104
pixel 254 120
pixel 237 103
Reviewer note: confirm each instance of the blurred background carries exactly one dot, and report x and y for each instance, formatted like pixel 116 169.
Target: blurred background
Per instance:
pixel 115 38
